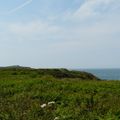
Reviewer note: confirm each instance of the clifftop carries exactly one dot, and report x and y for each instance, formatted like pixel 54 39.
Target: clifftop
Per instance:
pixel 57 73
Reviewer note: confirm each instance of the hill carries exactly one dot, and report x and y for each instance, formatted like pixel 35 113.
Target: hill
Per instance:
pixel 30 94
pixel 57 73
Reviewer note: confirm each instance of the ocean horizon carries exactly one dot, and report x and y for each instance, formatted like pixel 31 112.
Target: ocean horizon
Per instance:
pixel 106 74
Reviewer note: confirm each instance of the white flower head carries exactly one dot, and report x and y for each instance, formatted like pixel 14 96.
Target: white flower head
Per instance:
pixel 51 103
pixel 43 105
pixel 56 118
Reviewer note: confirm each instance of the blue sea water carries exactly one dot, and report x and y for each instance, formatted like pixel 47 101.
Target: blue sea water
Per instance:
pixel 107 74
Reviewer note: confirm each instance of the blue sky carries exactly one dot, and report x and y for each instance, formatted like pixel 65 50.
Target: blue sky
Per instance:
pixel 60 33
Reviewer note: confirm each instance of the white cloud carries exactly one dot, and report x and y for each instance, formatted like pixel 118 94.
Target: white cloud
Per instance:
pixel 19 7
pixel 32 30
pixel 92 8
pixel 74 32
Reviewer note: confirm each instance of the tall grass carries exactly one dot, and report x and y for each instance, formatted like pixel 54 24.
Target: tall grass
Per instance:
pixel 22 94
pixel 20 99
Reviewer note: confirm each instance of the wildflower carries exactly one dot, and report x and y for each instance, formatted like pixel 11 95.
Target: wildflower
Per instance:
pixel 56 118
pixel 43 105
pixel 51 103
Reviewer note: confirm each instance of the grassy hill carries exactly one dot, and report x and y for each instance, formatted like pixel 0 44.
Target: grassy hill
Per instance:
pixel 57 73
pixel 53 94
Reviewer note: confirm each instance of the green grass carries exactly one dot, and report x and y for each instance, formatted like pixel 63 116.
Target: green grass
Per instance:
pixel 21 97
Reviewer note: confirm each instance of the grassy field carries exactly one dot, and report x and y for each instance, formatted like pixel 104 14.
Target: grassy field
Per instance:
pixel 33 97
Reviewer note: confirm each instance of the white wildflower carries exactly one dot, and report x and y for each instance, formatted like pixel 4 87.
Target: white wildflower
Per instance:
pixel 56 118
pixel 51 103
pixel 43 105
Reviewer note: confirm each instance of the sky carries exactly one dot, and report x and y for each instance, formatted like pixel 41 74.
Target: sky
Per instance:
pixel 60 33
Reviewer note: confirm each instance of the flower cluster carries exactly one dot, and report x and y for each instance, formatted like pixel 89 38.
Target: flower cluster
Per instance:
pixel 48 104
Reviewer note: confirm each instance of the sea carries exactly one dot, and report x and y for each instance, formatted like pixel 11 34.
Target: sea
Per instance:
pixel 106 74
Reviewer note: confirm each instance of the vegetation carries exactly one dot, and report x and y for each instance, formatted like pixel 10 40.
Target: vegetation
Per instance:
pixel 57 73
pixel 30 94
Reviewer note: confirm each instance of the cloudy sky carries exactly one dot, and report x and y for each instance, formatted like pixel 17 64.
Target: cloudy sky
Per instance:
pixel 60 33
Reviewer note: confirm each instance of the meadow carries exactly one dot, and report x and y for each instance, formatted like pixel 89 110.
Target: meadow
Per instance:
pixel 27 94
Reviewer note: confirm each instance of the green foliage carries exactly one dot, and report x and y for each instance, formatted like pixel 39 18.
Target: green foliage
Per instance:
pixel 57 73
pixel 22 92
